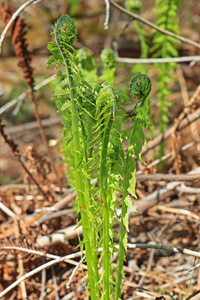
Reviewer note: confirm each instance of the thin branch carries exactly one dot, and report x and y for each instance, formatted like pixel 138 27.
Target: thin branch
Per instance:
pixel 157 60
pixel 14 16
pixel 32 125
pixel 61 235
pixel 178 211
pixel 11 247
pixel 162 137
pixel 167 177
pixel 12 103
pixel 107 14
pixel 16 153
pixel 43 283
pixel 153 198
pixel 55 285
pixel 188 189
pixel 21 273
pixel 8 212
pixel 74 271
pixel 196 266
pixel 66 258
pixel 35 88
pixel 143 20
pixel 45 141
pixel 23 95
pixel 164 247
pixel 166 156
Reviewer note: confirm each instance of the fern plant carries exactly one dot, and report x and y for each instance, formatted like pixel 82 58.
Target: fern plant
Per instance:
pixel 93 114
pixel 109 63
pixel 164 46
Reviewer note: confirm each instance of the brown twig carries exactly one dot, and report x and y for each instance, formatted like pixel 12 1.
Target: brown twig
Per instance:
pixel 78 254
pixel 175 142
pixel 14 16
pixel 156 196
pixel 22 96
pixel 187 109
pixel 178 211
pixel 53 166
pixel 179 124
pixel 33 125
pixel 167 177
pixel 162 137
pixel 15 151
pixel 186 101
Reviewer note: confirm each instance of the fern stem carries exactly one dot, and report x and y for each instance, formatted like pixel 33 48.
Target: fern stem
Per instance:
pixel 122 226
pixel 87 228
pixel 105 212
pixel 88 232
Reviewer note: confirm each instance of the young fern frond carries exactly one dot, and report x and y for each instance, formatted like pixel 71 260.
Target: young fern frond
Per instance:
pixel 140 87
pixel 65 36
pixel 164 46
pixel 93 116
pixel 88 67
pixel 109 63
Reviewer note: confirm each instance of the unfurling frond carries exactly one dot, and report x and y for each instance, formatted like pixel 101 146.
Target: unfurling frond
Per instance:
pixel 93 113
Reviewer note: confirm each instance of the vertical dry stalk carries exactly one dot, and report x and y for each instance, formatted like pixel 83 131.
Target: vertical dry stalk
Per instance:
pixel 18 32
pixel 21 272
pixel 15 151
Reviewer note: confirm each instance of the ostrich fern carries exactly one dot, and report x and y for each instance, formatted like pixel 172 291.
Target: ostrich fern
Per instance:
pixel 164 46
pixel 93 115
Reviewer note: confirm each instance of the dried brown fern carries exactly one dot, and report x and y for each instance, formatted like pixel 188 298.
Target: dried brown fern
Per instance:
pixel 18 32
pixel 7 246
pixel 15 151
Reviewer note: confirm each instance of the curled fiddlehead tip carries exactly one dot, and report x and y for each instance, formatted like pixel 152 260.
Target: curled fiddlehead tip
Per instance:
pixel 140 86
pixel 108 58
pixel 65 30
pixel 133 6
pixel 85 59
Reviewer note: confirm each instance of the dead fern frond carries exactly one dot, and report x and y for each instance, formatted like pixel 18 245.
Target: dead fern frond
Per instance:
pixel 15 151
pixel 8 246
pixel 18 32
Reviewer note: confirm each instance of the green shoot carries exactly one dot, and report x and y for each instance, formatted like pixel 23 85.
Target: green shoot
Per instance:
pixel 93 114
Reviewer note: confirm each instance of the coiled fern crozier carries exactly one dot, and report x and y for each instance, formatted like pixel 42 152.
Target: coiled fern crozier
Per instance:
pixel 165 46
pixel 93 115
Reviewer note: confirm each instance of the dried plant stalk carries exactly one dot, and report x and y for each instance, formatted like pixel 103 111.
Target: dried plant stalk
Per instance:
pixel 18 33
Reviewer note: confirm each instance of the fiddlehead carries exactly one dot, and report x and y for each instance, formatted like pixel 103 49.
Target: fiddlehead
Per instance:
pixel 109 63
pixel 65 31
pixel 108 58
pixel 140 87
